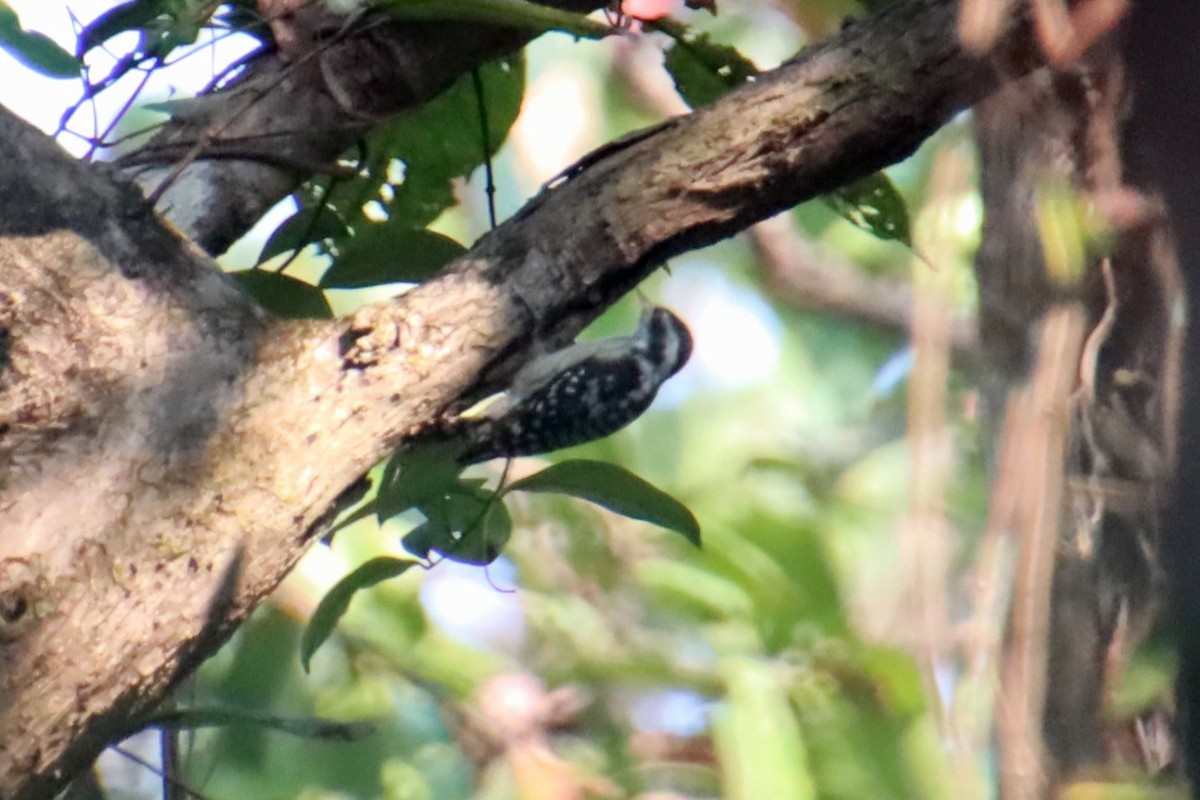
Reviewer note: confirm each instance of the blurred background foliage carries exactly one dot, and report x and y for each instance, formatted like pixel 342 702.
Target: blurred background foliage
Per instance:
pixel 814 647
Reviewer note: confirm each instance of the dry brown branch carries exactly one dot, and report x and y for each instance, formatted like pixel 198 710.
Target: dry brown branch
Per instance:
pixel 1033 461
pixel 929 543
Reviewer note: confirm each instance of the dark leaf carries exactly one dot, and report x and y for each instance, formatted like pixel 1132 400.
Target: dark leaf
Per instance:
pixel 469 525
pixel 350 497
pixel 163 25
pixel 180 26
pixel 283 295
pixel 430 535
pixel 389 253
pixel 521 14
pixel 416 475
pixel 334 604
pixel 484 535
pixel 304 727
pixel 616 489
pixel 301 230
pixel 874 205
pixel 419 154
pixel 367 509
pixel 701 69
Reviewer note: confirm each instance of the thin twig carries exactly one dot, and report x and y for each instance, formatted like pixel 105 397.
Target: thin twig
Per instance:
pixel 486 140
pixel 168 743
pixel 135 758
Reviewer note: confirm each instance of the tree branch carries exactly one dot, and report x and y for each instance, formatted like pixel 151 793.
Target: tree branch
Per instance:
pixel 807 275
pixel 302 105
pixel 167 452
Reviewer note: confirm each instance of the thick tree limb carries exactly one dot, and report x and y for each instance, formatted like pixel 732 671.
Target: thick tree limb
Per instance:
pixel 167 453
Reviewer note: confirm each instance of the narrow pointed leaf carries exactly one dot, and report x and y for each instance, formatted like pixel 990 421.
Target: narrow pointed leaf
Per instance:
pixel 616 489
pixel 131 16
pixel 334 604
pixel 35 50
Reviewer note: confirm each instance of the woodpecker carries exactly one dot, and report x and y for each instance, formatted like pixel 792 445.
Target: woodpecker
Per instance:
pixel 585 391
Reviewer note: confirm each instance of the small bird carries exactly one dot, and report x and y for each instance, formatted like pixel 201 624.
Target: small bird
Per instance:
pixel 582 392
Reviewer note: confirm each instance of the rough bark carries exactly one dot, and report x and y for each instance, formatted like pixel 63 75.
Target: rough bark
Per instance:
pixel 167 452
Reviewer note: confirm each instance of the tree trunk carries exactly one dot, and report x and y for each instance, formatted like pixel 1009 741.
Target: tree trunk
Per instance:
pixel 1164 160
pixel 1117 130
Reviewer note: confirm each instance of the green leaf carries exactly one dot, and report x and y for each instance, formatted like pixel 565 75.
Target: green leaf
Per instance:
pixel 482 544
pixel 758 765
pixel 304 727
pixel 301 230
pixel 417 475
pixel 874 205
pixel 521 14
pixel 431 535
pixel 703 592
pixel 283 295
pixel 419 154
pixel 334 604
pixel 403 780
pixel 881 678
pixel 35 50
pixel 163 25
pixel 616 489
pixel 390 253
pixel 470 526
pixel 135 15
pixel 701 69
pixel 367 509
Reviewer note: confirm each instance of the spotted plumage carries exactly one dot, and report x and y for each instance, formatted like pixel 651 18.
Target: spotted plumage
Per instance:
pixel 580 393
